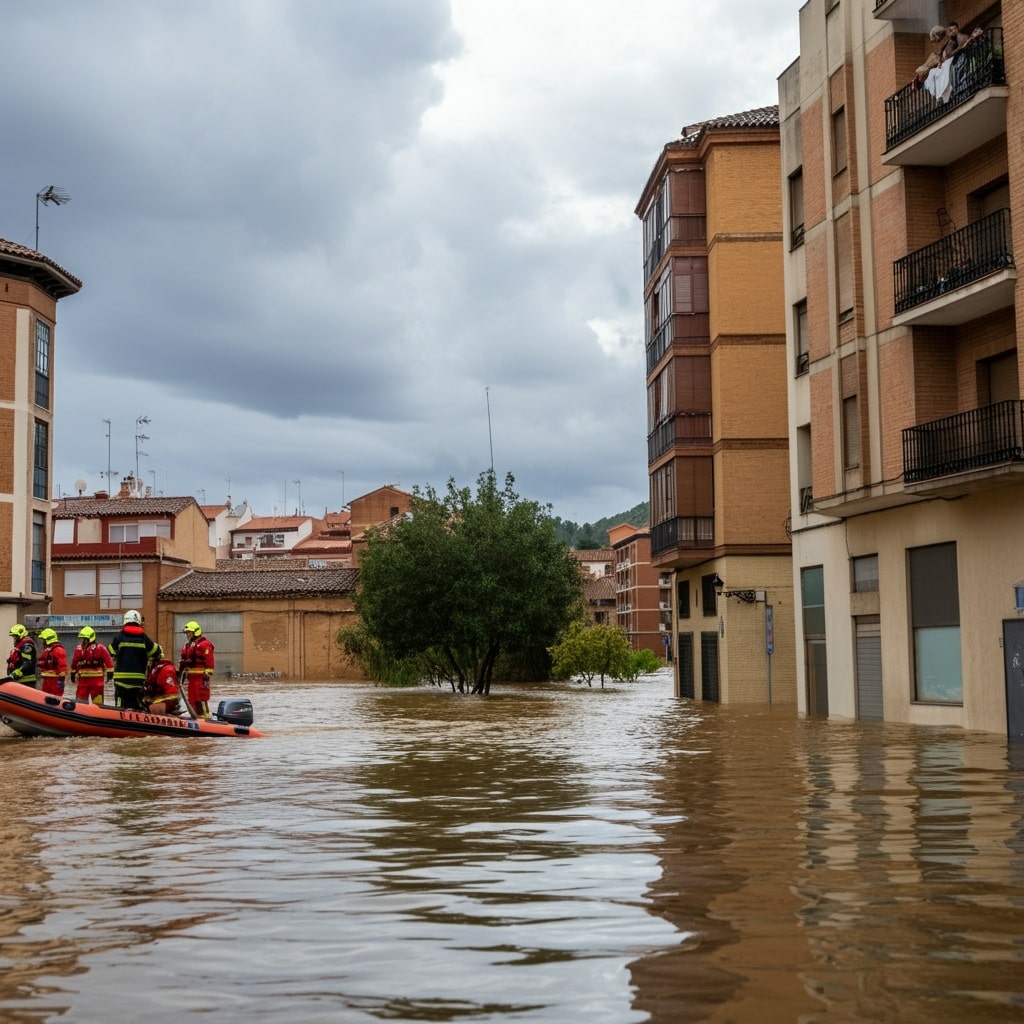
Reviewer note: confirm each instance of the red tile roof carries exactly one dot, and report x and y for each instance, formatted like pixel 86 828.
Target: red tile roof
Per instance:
pixel 18 260
pixel 261 583
pixel 93 508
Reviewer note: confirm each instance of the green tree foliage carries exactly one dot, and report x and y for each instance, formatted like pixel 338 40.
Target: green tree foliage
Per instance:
pixel 588 651
pixel 465 579
pixel 595 535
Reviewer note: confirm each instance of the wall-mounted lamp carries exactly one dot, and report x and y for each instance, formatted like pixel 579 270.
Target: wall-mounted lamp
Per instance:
pixel 748 596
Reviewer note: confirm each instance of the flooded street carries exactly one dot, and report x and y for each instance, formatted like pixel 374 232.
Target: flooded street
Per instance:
pixel 551 854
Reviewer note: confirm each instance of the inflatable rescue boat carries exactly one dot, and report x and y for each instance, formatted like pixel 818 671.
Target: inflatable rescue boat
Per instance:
pixel 34 713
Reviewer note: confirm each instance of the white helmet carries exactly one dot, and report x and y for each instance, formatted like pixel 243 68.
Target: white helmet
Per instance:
pixel 133 617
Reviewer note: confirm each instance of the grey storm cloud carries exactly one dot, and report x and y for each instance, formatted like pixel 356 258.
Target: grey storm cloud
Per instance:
pixel 354 243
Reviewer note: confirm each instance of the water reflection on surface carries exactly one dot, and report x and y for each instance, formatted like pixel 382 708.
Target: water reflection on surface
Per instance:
pixel 548 855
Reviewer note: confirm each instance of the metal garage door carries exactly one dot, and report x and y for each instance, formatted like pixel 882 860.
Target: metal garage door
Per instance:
pixel 869 669
pixel 225 632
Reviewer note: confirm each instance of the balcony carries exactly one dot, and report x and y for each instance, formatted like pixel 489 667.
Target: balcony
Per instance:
pixel 908 15
pixel 921 131
pixel 686 533
pixel 981 439
pixel 681 428
pixel 685 328
pixel 959 278
pixel 683 229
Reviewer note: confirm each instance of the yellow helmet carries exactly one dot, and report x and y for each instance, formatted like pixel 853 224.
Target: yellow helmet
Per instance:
pixel 133 617
pixel 19 630
pixel 193 627
pixel 87 633
pixel 48 636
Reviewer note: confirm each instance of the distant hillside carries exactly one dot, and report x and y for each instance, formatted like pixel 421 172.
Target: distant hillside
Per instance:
pixel 595 535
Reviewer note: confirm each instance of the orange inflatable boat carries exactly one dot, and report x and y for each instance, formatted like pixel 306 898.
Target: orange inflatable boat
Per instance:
pixel 34 713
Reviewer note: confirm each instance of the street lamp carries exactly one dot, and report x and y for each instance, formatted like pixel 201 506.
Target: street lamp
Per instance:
pixel 747 596
pixel 51 194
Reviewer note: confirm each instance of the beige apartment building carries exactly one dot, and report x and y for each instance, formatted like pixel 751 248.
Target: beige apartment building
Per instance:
pixel 31 285
pixel 718 459
pixel 904 368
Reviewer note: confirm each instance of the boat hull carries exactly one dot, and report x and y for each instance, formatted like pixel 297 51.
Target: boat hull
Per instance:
pixel 33 713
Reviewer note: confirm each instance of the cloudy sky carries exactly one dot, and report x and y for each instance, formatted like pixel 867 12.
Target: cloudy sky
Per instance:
pixel 331 244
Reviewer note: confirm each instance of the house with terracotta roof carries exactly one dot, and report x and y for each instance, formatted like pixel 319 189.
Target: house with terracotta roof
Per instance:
pixel 264 537
pixel 31 285
pixel 223 519
pixel 272 617
pixel 112 554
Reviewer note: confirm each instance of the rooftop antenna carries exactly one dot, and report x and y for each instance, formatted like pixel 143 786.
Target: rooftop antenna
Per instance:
pixel 342 472
pixel 110 472
pixel 51 194
pixel 139 421
pixel 490 438
pixel 299 510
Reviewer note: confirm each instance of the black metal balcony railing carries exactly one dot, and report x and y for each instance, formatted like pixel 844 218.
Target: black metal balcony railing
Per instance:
pixel 982 437
pixel 686 328
pixel 682 229
pixel 971 253
pixel 681 428
pixel 914 107
pixel 684 532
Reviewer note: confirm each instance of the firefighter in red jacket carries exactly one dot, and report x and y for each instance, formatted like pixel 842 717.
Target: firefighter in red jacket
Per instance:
pixel 197 663
pixel 162 685
pixel 21 662
pixel 52 664
pixel 90 664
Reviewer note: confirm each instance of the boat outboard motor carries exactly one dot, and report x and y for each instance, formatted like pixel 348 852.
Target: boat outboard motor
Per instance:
pixel 236 710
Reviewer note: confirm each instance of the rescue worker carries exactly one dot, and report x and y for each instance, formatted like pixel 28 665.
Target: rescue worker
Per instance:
pixel 21 662
pixel 131 650
pixel 197 663
pixel 162 685
pixel 89 664
pixel 52 663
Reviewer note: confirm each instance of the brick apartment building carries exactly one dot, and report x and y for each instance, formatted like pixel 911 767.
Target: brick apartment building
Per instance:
pixel 31 285
pixel 643 593
pixel 715 334
pixel 904 368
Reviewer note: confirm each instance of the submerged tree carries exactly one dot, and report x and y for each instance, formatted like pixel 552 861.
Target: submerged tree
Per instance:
pixel 591 650
pixel 466 578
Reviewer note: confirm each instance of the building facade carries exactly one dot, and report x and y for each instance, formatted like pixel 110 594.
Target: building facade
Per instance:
pixel 904 368
pixel 642 591
pixel 30 287
pixel 715 335
pixel 112 554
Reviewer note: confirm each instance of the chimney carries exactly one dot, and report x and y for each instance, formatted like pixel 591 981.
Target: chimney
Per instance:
pixel 127 487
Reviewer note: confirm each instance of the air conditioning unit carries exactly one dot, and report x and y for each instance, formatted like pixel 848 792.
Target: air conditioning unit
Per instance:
pixel 665 606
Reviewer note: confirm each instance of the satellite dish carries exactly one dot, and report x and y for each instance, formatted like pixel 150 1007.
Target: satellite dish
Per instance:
pixel 80 486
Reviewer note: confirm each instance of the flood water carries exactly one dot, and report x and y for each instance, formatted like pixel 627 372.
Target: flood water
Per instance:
pixel 551 855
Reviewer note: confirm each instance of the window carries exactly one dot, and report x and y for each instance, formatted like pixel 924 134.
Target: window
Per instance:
pixel 121 585
pixel 42 364
pixel 683 600
pixel 38 553
pixel 708 596
pixel 803 351
pixel 844 266
pixel 812 590
pixel 124 533
pixel 129 533
pixel 79 582
pixel 64 531
pixel 796 209
pixel 935 620
pixel 839 155
pixel 865 574
pixel 41 461
pixel 851 433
